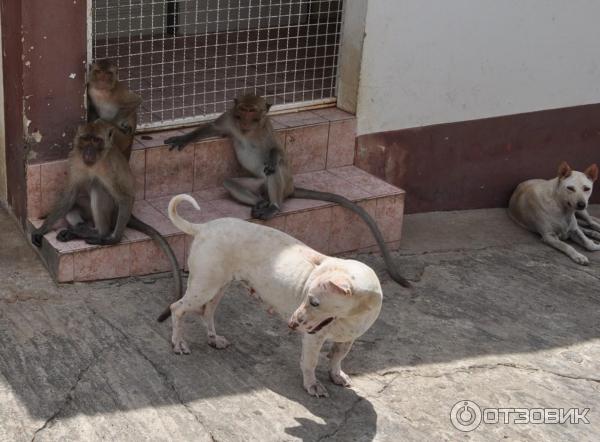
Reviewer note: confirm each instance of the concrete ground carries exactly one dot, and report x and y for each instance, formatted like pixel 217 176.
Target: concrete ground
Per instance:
pixel 495 317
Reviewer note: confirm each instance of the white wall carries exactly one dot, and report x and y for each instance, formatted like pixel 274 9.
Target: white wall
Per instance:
pixel 438 61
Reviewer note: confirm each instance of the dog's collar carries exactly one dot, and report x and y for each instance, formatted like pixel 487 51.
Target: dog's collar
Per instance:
pixel 320 325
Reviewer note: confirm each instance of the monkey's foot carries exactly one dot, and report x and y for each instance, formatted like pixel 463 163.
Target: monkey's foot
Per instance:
pixel 264 213
pixel 66 235
pixel 36 239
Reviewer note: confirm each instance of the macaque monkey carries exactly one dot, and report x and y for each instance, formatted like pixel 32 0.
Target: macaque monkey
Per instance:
pixel 259 152
pixel 110 100
pixel 100 190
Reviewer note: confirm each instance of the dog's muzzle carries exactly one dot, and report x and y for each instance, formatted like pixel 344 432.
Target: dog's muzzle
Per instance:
pixel 581 205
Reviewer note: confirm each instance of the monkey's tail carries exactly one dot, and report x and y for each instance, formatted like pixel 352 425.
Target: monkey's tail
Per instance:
pixel 138 224
pixel 180 223
pixel 300 192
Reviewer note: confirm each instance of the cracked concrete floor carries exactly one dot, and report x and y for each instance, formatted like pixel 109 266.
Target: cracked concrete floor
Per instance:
pixel 495 317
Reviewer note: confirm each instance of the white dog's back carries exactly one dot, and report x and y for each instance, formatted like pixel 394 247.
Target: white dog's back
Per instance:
pixel 528 202
pixel 267 260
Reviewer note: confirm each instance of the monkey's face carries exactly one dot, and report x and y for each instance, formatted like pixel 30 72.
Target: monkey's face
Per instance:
pixel 248 119
pixel 250 113
pixel 103 75
pixel 91 148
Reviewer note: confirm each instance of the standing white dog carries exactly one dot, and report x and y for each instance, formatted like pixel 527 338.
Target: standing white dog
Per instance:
pixel 323 297
pixel 548 207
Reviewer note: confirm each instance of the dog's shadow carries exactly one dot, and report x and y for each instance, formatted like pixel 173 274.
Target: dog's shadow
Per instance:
pixel 344 415
pixel 264 356
pixel 275 366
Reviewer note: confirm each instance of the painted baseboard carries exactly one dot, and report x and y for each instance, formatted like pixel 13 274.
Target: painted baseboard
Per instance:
pixel 477 164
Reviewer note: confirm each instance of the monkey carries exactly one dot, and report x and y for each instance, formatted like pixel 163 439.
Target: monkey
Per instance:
pixel 259 152
pixel 110 100
pixel 100 190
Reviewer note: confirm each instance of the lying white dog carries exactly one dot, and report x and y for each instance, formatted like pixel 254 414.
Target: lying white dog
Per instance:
pixel 323 297
pixel 548 207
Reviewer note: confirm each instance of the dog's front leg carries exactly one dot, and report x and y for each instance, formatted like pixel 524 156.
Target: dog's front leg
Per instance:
pixel 338 352
pixel 311 346
pixel 590 233
pixel 579 237
pixel 554 241
pixel 588 220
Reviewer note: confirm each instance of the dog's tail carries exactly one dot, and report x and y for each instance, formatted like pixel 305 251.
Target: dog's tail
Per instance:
pixel 178 221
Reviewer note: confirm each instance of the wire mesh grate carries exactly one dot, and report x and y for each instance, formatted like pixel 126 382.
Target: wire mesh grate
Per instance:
pixel 189 58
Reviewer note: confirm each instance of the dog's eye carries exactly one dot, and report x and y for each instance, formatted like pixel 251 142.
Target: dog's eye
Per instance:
pixel 570 188
pixel 586 189
pixel 314 302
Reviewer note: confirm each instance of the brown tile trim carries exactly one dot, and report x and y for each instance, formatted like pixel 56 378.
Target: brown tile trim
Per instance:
pixel 477 164
pixel 12 47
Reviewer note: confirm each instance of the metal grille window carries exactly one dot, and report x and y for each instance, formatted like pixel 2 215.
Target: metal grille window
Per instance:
pixel 189 58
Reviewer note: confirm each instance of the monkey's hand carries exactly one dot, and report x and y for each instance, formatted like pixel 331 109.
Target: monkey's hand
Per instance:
pixel 126 128
pixel 270 168
pixel 36 239
pixel 177 142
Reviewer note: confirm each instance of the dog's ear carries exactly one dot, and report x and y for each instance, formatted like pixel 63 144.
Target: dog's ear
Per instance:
pixel 592 172
pixel 339 284
pixel 564 170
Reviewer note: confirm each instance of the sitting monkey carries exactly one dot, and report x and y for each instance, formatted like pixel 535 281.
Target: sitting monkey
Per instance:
pixel 110 100
pixel 100 190
pixel 259 152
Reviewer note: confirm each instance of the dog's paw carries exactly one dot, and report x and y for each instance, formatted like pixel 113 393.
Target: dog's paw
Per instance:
pixel 340 378
pixel 316 389
pixel 218 342
pixel 580 259
pixel 181 348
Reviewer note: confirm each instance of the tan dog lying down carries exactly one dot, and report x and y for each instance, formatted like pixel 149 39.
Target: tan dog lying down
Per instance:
pixel 548 207
pixel 323 297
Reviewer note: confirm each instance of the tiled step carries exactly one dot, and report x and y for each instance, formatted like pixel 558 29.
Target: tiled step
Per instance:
pixel 314 140
pixel 324 226
pixel 320 146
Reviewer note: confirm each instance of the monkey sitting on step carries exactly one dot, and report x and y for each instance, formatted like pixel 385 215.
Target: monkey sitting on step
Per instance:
pixel 110 100
pixel 259 152
pixel 100 189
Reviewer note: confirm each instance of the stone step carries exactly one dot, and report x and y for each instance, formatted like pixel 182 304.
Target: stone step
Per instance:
pixel 324 226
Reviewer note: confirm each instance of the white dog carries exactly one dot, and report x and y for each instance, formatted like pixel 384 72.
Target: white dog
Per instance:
pixel 323 297
pixel 548 207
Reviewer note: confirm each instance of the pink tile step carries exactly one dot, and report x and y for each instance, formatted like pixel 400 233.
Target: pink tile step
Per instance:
pixel 315 140
pixel 322 225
